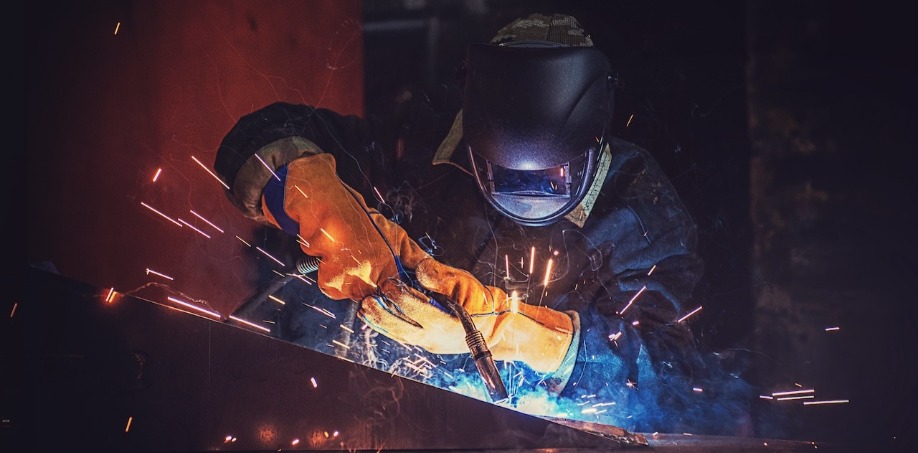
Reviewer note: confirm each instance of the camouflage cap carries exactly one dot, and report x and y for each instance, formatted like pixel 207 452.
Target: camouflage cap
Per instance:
pixel 557 28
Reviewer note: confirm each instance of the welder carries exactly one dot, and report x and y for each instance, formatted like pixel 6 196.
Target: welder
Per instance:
pixel 569 248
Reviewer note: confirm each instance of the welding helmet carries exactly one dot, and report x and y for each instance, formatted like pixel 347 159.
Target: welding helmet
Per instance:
pixel 537 102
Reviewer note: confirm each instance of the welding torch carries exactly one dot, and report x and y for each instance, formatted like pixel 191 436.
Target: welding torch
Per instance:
pixel 478 347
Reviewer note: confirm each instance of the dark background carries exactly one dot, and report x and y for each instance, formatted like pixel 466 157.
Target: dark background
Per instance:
pixel 787 127
pixel 789 130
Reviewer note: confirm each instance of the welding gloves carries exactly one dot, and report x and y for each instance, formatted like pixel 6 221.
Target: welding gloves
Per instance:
pixel 514 331
pixel 356 245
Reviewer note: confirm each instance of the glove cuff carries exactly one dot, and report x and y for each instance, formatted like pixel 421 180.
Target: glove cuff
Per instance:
pixel 539 336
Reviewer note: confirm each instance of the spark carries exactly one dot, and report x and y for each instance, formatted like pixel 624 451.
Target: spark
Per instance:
pixel 652 269
pixel 295 442
pixel 160 213
pixel 275 299
pixel 302 241
pixel 300 191
pixel 547 272
pixel 808 403
pixel 507 266
pixel 633 298
pixel 327 234
pixel 195 229
pixel 832 329
pixel 304 278
pixel 422 359
pixel 229 439
pixel 378 195
pixel 697 389
pixel 117 26
pixel 792 392
pixel 766 397
pixel 341 344
pixel 243 241
pixel 194 307
pixel 629 120
pixel 211 173
pixel 13 311
pixel 635 323
pixel 151 271
pixel 128 426
pixel 269 255
pixel 321 310
pixel 788 398
pixel 531 260
pixel 267 166
pixel 156 175
pixel 315 384
pixel 690 314
pixel 344 327
pixel 250 324
pixel 110 296
pixel 615 336
pixel 206 221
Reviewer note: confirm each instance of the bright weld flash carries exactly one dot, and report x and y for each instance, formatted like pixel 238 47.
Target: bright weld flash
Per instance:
pixel 210 172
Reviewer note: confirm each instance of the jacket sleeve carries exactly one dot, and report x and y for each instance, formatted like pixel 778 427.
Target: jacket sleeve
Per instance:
pixel 353 140
pixel 632 341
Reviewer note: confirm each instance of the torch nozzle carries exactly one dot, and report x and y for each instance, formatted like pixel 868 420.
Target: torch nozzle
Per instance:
pixel 479 350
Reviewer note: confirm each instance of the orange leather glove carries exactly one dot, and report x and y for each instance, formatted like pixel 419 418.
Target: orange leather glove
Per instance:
pixel 356 245
pixel 513 331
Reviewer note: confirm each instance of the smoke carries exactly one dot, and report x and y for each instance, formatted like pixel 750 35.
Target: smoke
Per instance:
pixel 658 399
